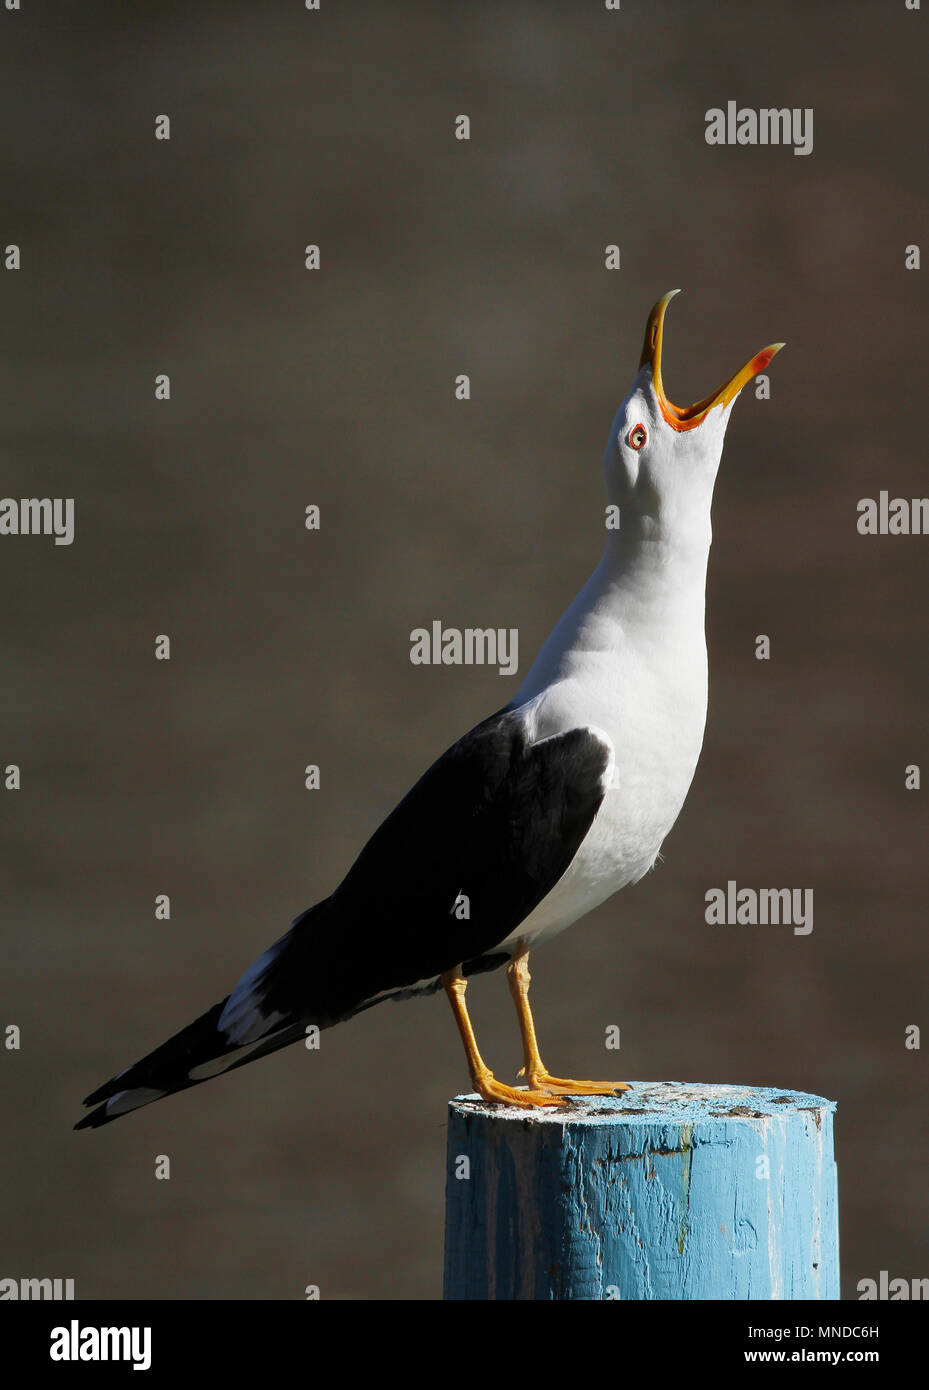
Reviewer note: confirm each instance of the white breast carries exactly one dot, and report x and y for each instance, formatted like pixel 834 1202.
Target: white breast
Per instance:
pixel 646 690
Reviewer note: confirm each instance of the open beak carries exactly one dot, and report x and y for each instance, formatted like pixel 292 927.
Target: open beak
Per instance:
pixel 687 416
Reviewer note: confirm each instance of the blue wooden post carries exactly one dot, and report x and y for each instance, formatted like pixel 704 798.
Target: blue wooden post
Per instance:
pixel 669 1191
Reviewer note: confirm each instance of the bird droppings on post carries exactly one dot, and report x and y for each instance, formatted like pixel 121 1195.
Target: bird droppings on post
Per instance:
pixel 651 1098
pixel 689 1191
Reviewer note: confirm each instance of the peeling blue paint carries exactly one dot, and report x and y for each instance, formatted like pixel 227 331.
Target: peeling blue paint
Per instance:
pixel 661 1193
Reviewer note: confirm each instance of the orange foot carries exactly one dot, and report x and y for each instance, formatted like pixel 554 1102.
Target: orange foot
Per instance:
pixel 490 1089
pixel 559 1085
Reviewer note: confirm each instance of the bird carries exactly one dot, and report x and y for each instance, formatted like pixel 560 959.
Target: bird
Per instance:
pixel 537 815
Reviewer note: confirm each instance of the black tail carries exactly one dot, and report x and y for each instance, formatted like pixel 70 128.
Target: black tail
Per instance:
pixel 194 1055
pixel 249 1023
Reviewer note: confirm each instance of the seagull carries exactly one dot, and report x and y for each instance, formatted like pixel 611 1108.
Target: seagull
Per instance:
pixel 534 817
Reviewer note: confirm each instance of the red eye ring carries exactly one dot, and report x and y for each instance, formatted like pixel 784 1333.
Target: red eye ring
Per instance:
pixel 637 437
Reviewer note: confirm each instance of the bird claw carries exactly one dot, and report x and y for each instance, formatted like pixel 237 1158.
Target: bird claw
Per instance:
pixel 488 1088
pixel 559 1085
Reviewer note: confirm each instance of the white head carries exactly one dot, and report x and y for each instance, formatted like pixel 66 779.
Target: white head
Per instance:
pixel 661 459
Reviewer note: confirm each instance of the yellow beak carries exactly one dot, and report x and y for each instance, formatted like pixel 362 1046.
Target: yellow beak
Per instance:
pixel 688 416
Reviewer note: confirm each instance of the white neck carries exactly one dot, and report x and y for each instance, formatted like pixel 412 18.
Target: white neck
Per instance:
pixel 647 594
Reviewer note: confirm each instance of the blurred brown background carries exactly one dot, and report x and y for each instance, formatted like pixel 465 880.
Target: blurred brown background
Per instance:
pixel 438 257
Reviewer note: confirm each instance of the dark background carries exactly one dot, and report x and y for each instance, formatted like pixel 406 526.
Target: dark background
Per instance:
pixel 288 387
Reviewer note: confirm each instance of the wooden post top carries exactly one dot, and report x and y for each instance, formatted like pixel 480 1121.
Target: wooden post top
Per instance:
pixel 670 1190
pixel 647 1103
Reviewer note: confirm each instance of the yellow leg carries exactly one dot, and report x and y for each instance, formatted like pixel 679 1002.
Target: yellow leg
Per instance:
pixel 482 1078
pixel 517 973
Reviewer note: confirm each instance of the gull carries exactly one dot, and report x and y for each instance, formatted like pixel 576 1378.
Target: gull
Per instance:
pixel 534 817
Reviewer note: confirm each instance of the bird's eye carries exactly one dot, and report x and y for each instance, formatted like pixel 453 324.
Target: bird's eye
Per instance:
pixel 638 437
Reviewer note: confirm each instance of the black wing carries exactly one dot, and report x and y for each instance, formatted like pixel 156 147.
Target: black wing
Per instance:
pixel 480 840
pixel 477 843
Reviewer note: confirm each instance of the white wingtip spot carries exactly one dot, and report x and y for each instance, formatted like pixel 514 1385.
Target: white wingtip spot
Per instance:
pixel 221 1064
pixel 124 1101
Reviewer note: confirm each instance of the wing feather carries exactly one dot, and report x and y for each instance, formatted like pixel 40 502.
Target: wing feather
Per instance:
pixel 478 842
